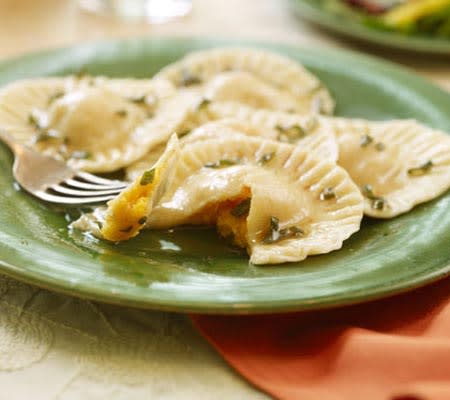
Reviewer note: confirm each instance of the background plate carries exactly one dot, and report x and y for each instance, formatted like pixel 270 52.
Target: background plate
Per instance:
pixel 351 27
pixel 186 270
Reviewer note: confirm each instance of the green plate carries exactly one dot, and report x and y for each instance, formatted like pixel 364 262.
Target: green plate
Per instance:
pixel 352 27
pixel 192 269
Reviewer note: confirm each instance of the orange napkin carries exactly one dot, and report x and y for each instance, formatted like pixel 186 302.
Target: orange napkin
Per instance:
pixel 392 349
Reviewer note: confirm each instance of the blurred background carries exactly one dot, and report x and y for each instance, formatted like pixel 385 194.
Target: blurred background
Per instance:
pixel 34 25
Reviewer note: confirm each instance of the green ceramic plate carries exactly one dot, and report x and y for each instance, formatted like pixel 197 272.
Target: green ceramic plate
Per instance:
pixel 193 270
pixel 351 27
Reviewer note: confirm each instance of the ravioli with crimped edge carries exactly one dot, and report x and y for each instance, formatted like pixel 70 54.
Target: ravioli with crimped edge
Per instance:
pixel 254 77
pixel 93 123
pixel 322 142
pixel 274 199
pixel 397 164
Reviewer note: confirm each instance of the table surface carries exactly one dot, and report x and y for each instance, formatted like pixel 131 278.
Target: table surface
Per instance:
pixel 98 351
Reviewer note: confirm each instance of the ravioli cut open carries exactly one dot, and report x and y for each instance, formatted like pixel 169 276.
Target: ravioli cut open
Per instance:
pixel 127 214
pixel 225 182
pixel 397 164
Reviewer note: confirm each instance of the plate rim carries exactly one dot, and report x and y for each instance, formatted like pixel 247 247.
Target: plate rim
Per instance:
pixel 329 21
pixel 226 307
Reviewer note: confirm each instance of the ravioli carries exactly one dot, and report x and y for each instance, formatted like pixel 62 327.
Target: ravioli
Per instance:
pixel 397 164
pixel 95 124
pixel 253 77
pixel 313 132
pixel 322 143
pixel 275 199
pixel 310 132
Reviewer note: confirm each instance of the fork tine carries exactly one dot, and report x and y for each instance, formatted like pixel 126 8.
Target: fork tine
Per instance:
pixel 72 200
pixel 83 193
pixel 89 178
pixel 83 185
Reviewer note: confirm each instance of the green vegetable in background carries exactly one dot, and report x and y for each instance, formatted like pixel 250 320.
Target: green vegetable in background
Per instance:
pixel 412 17
pixel 420 16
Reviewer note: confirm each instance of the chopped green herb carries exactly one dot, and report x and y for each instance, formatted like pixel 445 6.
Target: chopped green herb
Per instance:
pixel 274 223
pixel 80 154
pixel 367 191
pixel 139 100
pixel 43 136
pixel 121 113
pixel 204 103
pixel 421 169
pixel 265 158
pixel 365 140
pixel 221 163
pixel 275 234
pixel 33 121
pixel 377 202
pixel 127 229
pixel 188 78
pixel 380 146
pixel 327 194
pixel 147 177
pixel 241 209
pixel 55 96
pixel 142 220
pixel 184 133
pixel 290 134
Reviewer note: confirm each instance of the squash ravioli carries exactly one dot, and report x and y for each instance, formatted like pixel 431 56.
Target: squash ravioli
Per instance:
pixel 263 195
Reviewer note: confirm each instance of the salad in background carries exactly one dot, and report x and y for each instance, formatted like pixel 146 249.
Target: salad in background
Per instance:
pixel 413 17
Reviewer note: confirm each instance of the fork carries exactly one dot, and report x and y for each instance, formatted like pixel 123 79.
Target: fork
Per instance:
pixel 53 181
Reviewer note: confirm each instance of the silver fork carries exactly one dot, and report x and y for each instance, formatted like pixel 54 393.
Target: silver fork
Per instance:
pixel 53 181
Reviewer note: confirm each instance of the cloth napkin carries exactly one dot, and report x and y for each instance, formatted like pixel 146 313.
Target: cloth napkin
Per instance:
pixel 392 349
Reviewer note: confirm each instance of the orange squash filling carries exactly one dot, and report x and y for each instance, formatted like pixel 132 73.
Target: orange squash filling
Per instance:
pixel 229 216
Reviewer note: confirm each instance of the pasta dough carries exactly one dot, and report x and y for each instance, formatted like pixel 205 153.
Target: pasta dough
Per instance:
pixel 95 124
pixel 253 77
pixel 397 164
pixel 315 203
